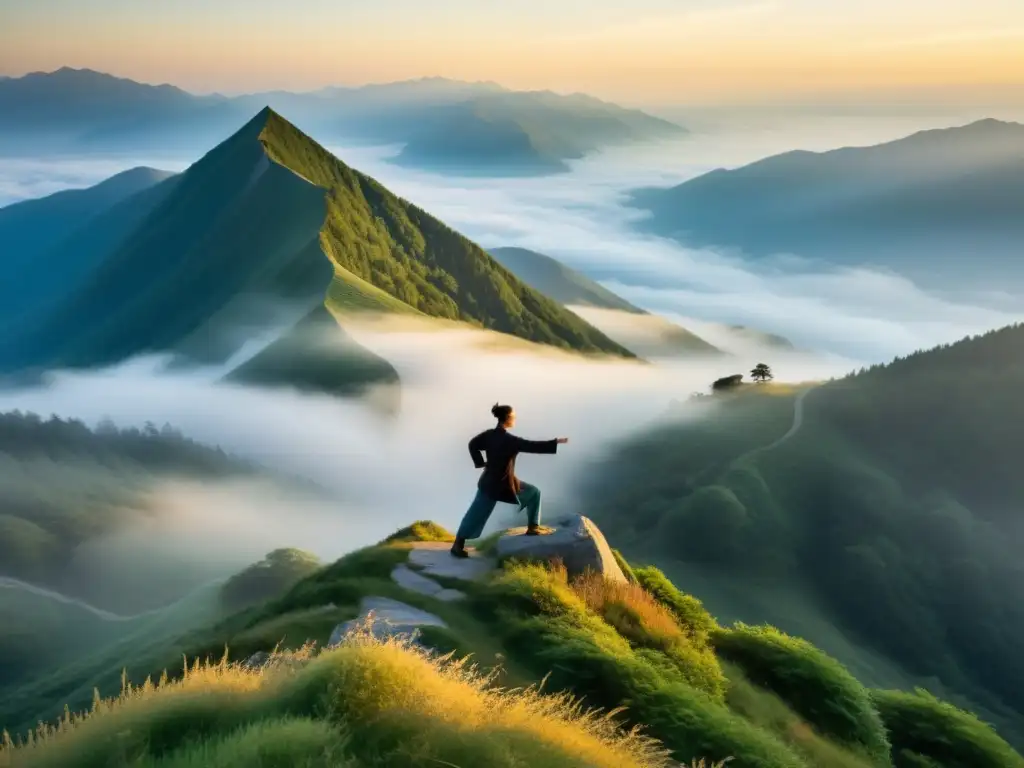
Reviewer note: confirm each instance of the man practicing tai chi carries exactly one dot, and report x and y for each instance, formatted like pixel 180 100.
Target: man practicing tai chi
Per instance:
pixel 498 482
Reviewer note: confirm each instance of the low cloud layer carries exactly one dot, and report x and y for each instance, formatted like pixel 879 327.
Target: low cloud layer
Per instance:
pixel 386 473
pixel 23 178
pixel 580 217
pixel 865 314
pixel 381 473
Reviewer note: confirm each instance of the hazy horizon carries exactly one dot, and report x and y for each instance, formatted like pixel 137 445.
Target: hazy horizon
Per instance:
pixel 735 52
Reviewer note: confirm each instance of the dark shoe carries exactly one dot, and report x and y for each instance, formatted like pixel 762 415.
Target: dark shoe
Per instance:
pixel 460 553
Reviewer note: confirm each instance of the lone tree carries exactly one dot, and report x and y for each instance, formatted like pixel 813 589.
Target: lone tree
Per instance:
pixel 762 373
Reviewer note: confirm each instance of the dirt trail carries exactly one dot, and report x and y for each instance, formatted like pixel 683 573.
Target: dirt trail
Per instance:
pixel 798 422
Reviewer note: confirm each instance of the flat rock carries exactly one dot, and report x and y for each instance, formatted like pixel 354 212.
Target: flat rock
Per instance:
pixel 409 579
pixel 432 558
pixel 576 541
pixel 390 619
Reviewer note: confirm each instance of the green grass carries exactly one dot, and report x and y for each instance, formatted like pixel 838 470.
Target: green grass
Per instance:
pixel 552 631
pixel 923 728
pixel 814 684
pixel 768 711
pixel 649 656
pixel 421 530
pixel 873 532
pixel 269 213
pixel 414 258
pixel 365 703
pixel 349 293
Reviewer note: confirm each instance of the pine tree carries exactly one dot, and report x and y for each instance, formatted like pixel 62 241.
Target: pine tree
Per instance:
pixel 762 373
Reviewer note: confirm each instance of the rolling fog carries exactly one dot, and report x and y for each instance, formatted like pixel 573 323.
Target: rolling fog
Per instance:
pixel 580 218
pixel 381 473
pixel 384 473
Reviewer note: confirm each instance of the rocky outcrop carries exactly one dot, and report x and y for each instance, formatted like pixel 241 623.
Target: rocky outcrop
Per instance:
pixel 576 541
pixel 385 618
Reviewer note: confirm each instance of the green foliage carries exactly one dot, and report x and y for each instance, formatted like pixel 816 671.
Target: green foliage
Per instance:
pixel 712 523
pixel 421 530
pixel 768 711
pixel 627 569
pixel 365 703
pixel 410 255
pixel 926 732
pixel 817 686
pixel 552 631
pixel 688 610
pixel 25 547
pixel 875 506
pixel 62 484
pixel 267 579
pixel 651 629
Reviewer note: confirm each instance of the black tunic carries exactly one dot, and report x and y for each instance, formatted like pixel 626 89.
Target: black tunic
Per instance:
pixel 498 479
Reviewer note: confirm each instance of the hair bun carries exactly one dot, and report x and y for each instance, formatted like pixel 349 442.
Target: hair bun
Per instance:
pixel 495 411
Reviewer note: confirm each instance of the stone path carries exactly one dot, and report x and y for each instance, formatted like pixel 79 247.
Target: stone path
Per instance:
pixel 432 558
pixel 575 539
pixel 390 618
pixel 416 582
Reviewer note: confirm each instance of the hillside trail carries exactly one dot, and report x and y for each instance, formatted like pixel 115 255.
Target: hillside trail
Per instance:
pixel 794 429
pixel 7 582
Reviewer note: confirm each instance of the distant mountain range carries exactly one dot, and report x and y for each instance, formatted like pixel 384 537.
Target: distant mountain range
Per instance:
pixel 942 206
pixel 267 236
pixel 475 128
pixel 645 333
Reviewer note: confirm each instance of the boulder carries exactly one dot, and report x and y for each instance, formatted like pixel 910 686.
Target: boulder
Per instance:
pixel 575 540
pixel 386 618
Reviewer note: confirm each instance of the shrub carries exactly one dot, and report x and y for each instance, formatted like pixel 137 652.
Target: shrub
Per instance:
pixel 690 612
pixel 928 732
pixel 550 628
pixel 421 530
pixel 269 578
pixel 767 710
pixel 814 684
pixel 646 623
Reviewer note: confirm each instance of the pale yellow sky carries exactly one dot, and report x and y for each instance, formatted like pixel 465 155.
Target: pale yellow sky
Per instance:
pixel 651 51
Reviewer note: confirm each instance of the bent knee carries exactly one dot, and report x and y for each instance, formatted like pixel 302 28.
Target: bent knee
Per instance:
pixel 529 491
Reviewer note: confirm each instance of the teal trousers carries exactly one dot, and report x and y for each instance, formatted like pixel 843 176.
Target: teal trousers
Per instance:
pixel 480 510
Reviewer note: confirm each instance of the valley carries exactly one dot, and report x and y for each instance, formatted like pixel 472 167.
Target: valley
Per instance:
pixel 792 404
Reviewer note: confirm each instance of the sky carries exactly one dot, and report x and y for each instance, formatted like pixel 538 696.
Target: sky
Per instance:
pixel 646 51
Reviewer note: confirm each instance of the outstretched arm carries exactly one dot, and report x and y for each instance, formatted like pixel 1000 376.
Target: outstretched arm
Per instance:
pixel 538 446
pixel 476 446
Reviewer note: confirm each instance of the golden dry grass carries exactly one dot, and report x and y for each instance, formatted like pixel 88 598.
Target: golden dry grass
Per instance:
pixel 631 609
pixel 388 701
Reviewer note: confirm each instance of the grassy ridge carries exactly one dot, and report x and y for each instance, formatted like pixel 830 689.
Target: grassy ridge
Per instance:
pixel 650 650
pixel 397 247
pixel 890 514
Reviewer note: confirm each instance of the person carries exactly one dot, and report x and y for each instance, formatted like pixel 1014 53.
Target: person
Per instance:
pixel 498 481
